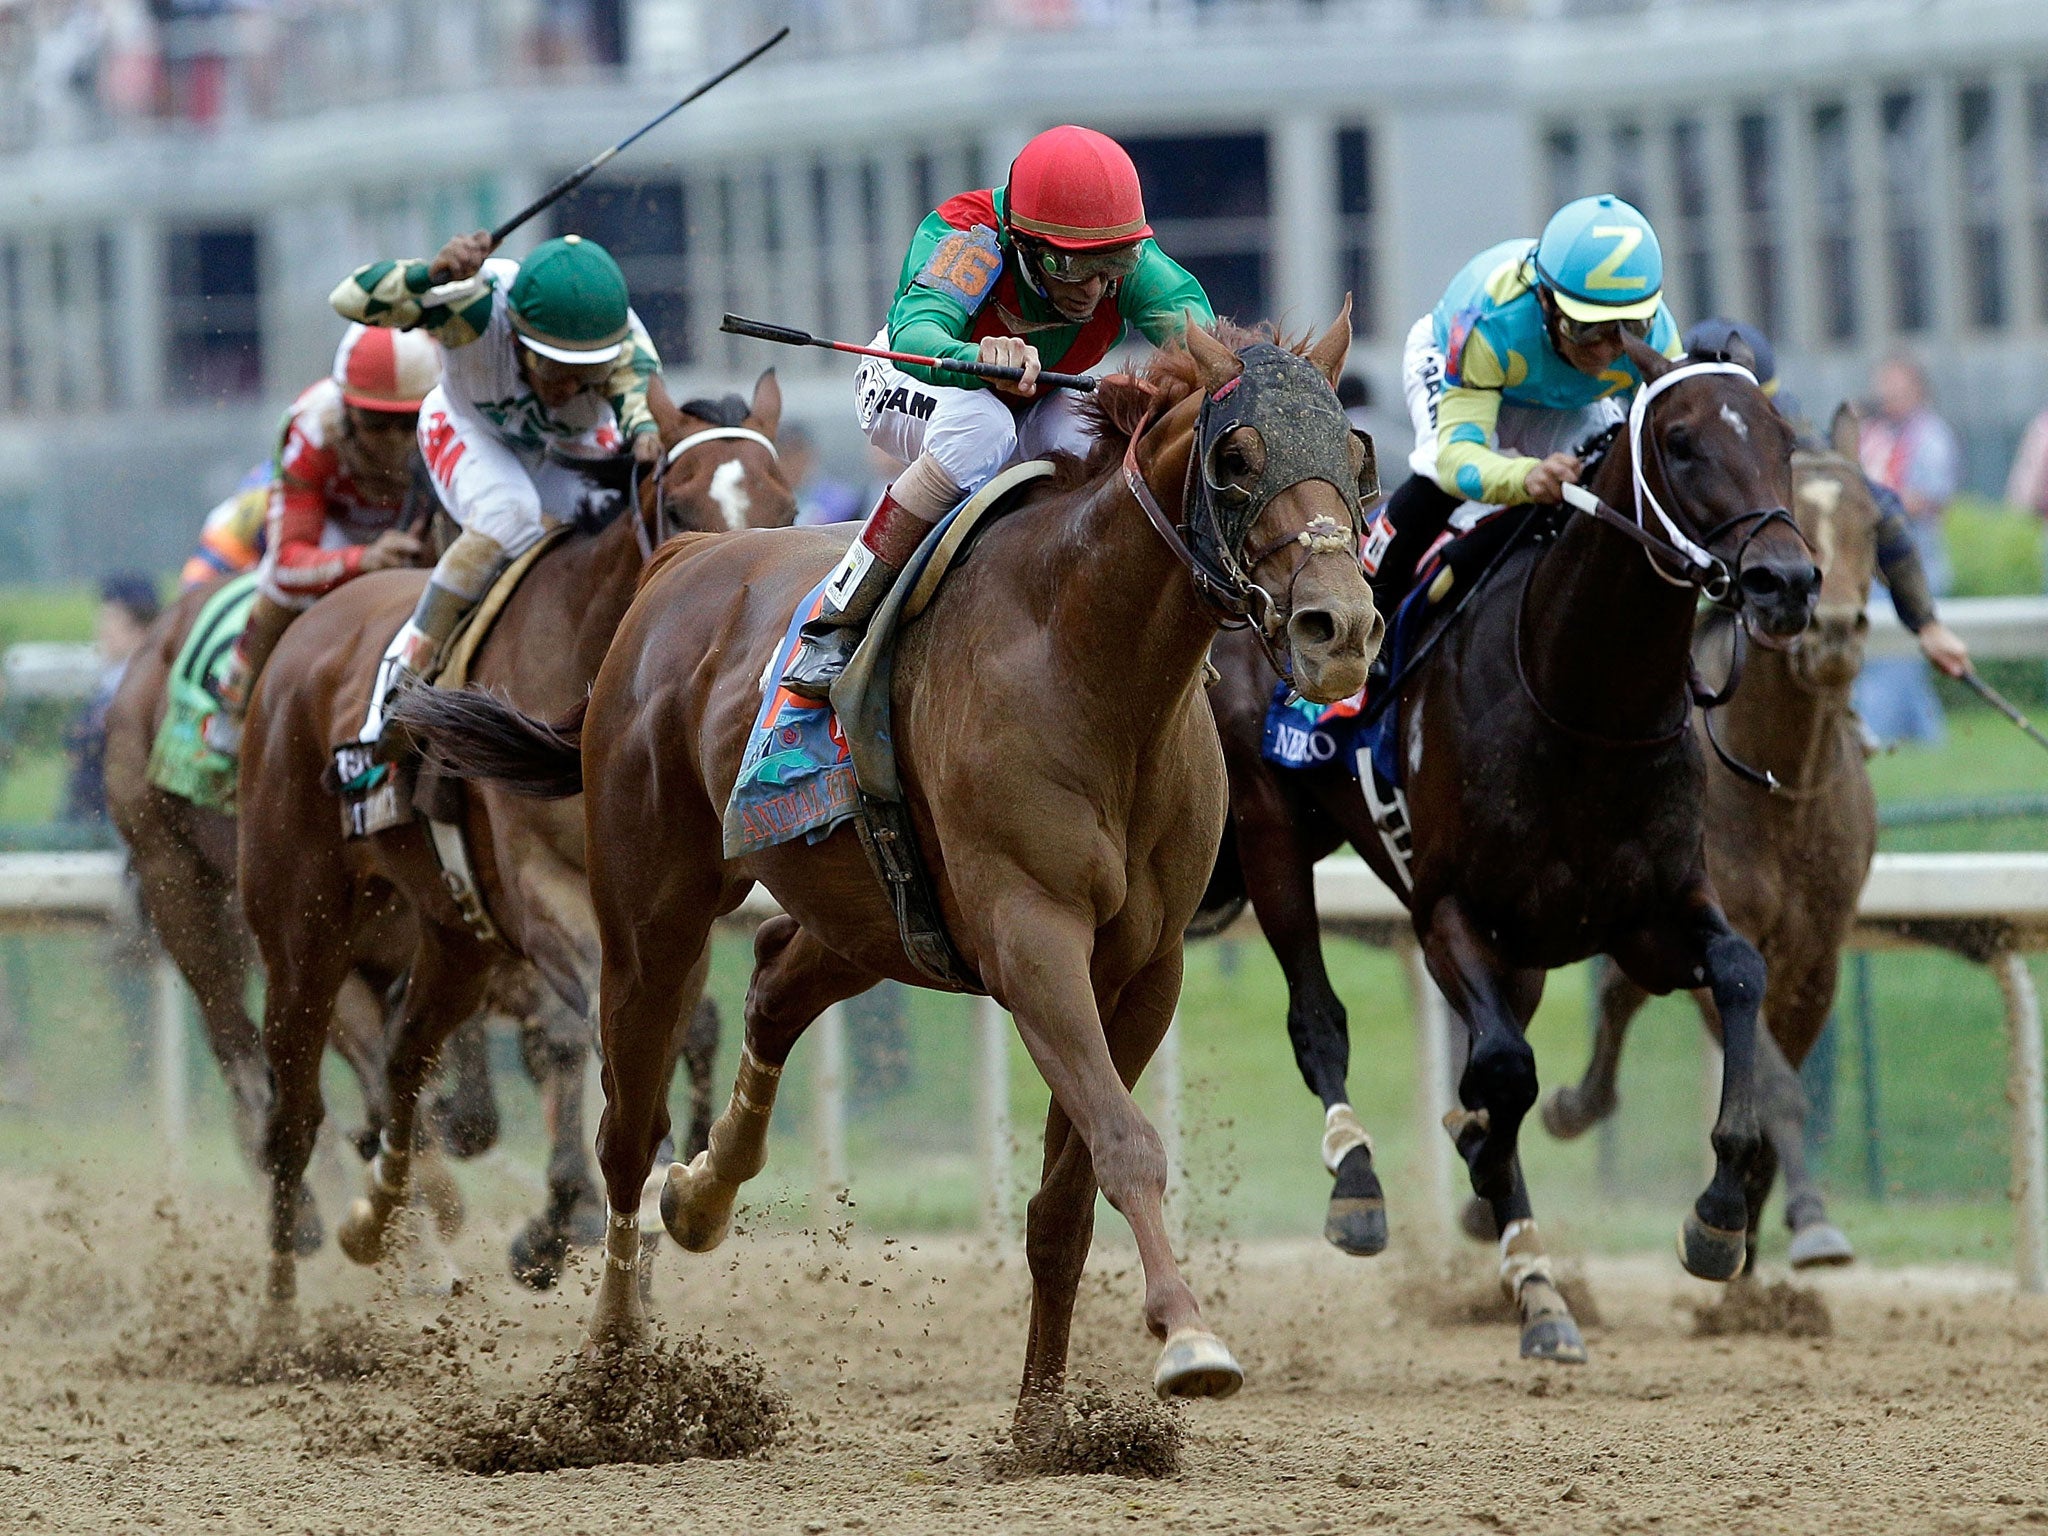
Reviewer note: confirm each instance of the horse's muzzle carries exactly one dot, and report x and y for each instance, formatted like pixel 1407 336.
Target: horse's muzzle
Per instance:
pixel 1333 641
pixel 1830 653
pixel 1780 593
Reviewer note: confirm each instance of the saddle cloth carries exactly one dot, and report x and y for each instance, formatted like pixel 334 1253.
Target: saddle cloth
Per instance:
pixel 180 761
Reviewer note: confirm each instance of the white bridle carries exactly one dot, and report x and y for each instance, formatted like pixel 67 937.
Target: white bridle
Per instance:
pixel 1638 414
pixel 719 434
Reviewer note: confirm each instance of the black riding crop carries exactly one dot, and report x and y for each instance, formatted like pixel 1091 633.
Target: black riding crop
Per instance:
pixel 761 331
pixel 2002 704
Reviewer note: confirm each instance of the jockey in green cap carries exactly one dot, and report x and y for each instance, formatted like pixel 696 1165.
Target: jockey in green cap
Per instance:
pixel 1520 362
pixel 546 364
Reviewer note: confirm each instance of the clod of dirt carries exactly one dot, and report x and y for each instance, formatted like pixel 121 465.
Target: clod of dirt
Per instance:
pixel 1782 1308
pixel 1099 1431
pixel 1459 1293
pixel 666 1403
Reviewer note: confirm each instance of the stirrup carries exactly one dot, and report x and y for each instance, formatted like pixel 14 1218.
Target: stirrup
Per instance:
pixel 222 732
pixel 819 660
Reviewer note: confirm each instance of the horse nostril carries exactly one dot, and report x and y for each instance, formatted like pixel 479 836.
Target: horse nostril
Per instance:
pixel 1312 626
pixel 1761 584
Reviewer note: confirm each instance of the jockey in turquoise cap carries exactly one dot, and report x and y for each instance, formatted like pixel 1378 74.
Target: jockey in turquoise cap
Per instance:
pixel 1519 363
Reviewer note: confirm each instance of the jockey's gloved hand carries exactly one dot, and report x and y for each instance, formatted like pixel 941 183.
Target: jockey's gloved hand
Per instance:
pixel 1013 352
pixel 461 257
pixel 647 448
pixel 1546 481
pixel 392 548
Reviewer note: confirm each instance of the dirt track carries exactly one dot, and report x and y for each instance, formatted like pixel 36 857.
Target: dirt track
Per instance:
pixel 1923 1413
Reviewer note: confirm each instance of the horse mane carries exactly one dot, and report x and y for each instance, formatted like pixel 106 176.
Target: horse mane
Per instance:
pixel 1121 401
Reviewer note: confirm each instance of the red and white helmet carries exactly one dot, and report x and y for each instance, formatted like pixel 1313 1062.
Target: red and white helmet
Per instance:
pixel 1076 189
pixel 380 369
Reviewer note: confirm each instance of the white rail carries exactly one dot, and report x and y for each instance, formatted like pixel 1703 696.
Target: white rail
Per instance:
pixel 1990 905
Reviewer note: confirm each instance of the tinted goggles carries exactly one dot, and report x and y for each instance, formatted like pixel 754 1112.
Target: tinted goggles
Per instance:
pixel 1587 333
pixel 1115 263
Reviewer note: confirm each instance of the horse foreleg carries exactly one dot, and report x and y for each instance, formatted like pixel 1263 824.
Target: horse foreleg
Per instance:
pixel 298 1003
pixel 1496 1091
pixel 1279 876
pixel 1042 955
pixel 1059 1227
pixel 1573 1110
pixel 554 1043
pixel 1713 1242
pixel 450 974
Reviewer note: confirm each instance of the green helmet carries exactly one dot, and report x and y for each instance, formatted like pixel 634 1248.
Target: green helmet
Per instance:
pixel 569 301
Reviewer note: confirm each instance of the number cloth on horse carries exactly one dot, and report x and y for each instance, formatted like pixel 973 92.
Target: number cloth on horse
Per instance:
pixel 180 761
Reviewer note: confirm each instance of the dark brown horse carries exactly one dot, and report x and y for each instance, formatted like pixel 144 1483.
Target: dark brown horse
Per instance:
pixel 1555 800
pixel 1064 776
pixel 1788 864
pixel 184 861
pixel 311 893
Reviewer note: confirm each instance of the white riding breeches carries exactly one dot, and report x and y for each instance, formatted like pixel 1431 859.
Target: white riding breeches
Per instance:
pixel 971 434
pixel 508 493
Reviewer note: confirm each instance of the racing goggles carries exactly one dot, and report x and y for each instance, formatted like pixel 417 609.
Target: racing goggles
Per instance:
pixel 1588 333
pixel 1115 263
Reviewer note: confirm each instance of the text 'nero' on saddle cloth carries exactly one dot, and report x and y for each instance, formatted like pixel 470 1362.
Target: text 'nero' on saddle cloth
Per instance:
pixel 796 779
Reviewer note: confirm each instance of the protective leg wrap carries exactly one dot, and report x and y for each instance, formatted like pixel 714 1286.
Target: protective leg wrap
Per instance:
pixel 1342 1131
pixel 1522 1258
pixel 622 1241
pixel 739 1137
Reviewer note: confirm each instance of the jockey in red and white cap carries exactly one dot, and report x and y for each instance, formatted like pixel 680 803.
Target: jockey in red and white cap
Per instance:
pixel 1053 269
pixel 337 495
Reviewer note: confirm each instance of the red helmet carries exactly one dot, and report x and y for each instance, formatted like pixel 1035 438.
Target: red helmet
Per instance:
pixel 1076 189
pixel 386 370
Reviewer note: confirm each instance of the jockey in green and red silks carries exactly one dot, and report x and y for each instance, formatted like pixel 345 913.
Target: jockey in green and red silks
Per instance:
pixel 1051 270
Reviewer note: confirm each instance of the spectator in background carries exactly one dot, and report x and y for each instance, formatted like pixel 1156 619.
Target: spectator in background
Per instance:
pixel 2026 487
pixel 128 606
pixel 1913 452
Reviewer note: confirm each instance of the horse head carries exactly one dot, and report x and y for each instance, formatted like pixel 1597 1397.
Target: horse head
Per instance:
pixel 1270 506
pixel 719 466
pixel 1839 516
pixel 1715 461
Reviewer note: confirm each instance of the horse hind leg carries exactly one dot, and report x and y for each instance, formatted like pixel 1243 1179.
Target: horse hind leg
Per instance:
pixel 1496 1092
pixel 554 1041
pixel 1572 1110
pixel 1816 1241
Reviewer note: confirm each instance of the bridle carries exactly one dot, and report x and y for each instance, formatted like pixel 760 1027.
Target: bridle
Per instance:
pixel 1217 516
pixel 658 534
pixel 1716 578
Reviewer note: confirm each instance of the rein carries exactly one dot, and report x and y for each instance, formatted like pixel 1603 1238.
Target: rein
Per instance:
pixel 651 539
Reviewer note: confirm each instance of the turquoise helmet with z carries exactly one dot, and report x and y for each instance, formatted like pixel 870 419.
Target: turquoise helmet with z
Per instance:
pixel 1600 260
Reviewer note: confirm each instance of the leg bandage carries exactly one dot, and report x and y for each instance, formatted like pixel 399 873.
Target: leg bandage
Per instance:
pixel 622 1241
pixel 1522 1258
pixel 739 1137
pixel 1342 1131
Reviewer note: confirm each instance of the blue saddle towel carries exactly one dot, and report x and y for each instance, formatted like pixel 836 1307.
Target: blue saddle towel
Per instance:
pixel 1300 734
pixel 796 779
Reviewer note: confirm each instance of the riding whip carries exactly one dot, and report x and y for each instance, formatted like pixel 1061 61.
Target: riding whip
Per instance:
pixel 2002 704
pixel 582 173
pixel 761 331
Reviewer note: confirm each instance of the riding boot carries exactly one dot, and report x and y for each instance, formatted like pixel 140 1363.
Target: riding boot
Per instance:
pixel 826 643
pixel 222 730
pixel 461 578
pixel 1414 516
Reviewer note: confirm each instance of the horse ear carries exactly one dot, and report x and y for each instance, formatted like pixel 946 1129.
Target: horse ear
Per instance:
pixel 1216 364
pixel 668 421
pixel 767 407
pixel 1845 435
pixel 1650 363
pixel 1334 345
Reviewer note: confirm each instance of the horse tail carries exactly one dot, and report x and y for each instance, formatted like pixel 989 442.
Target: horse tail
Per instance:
pixel 470 734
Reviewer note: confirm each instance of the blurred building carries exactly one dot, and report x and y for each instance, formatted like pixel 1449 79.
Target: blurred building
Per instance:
pixel 181 182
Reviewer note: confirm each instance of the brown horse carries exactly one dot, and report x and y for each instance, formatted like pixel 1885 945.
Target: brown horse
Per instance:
pixel 1062 770
pixel 1555 801
pixel 184 860
pixel 311 894
pixel 1788 864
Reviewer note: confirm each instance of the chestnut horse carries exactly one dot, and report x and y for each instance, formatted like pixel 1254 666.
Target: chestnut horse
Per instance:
pixel 1555 801
pixel 311 894
pixel 1788 863
pixel 1061 767
pixel 184 861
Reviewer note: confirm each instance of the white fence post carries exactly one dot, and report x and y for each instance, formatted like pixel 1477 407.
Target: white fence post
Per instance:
pixel 173 1099
pixel 1433 1100
pixel 828 1105
pixel 2025 1086
pixel 1166 1072
pixel 992 1116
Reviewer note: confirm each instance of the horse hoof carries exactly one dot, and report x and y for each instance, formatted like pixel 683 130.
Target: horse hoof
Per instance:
pixel 696 1207
pixel 1195 1363
pixel 1566 1117
pixel 1357 1220
pixel 538 1253
pixel 1555 1339
pixel 1821 1244
pixel 361 1234
pixel 308 1231
pixel 1711 1253
pixel 1476 1221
